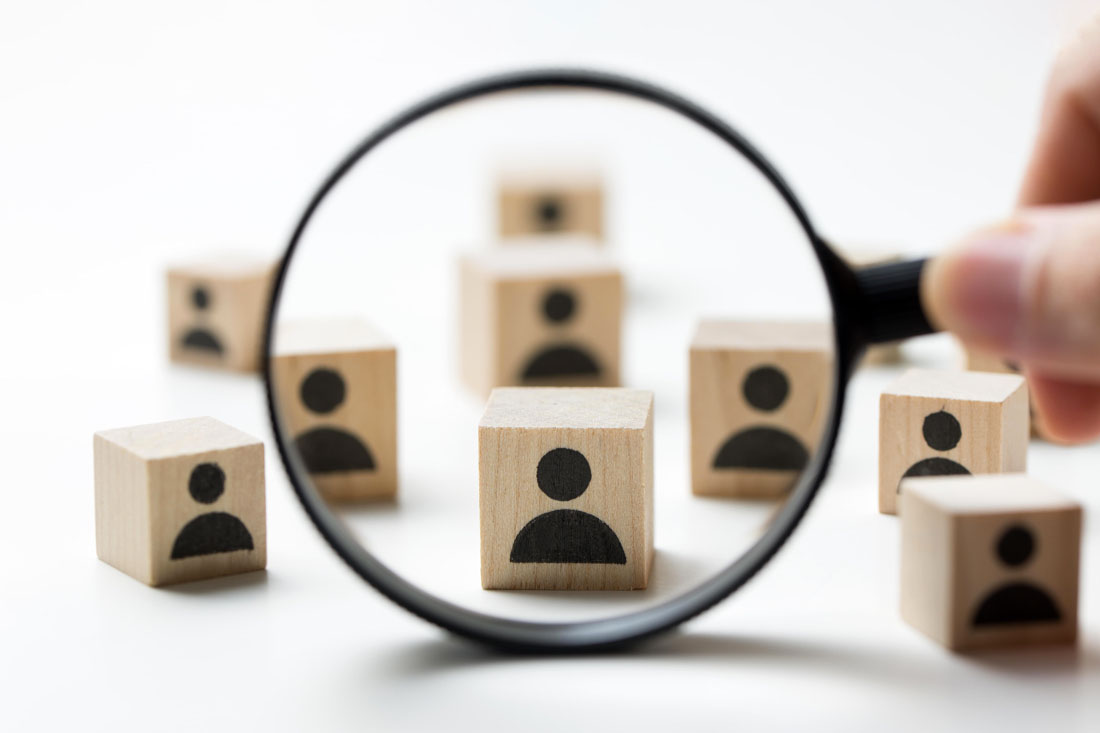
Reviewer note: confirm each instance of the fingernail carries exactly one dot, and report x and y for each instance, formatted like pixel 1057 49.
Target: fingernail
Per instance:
pixel 976 289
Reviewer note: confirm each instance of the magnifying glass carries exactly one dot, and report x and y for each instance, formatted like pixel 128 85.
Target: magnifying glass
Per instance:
pixel 670 381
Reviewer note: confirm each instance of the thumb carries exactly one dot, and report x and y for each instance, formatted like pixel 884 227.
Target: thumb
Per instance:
pixel 1028 289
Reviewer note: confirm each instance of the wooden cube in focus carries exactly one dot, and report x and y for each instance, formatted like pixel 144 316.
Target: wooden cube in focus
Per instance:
pixel 216 309
pixel 759 392
pixel 550 202
pixel 538 314
pixel 566 489
pixel 180 500
pixel 940 422
pixel 989 560
pixel 336 386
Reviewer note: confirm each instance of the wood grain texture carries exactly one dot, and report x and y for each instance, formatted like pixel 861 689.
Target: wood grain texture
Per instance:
pixel 144 503
pixel 366 364
pixel 613 430
pixel 988 412
pixel 953 571
pixel 223 327
pixel 722 356
pixel 550 202
pixel 505 330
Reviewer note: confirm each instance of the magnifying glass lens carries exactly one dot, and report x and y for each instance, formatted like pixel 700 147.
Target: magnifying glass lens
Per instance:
pixel 552 356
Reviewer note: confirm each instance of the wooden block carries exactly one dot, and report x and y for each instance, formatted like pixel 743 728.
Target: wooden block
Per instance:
pixel 216 310
pixel 989 560
pixel 540 314
pixel 983 361
pixel 336 381
pixel 936 422
pixel 550 202
pixel 758 393
pixel 180 500
pixel 566 479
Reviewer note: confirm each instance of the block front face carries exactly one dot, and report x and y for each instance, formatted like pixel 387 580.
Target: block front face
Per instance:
pixel 1008 570
pixel 538 314
pixel 934 423
pixel 341 408
pixel 207 514
pixel 566 506
pixel 551 207
pixel 559 330
pixel 216 313
pixel 757 406
pixel 181 500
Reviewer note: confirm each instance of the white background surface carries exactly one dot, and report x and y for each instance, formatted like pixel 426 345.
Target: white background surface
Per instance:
pixel 133 133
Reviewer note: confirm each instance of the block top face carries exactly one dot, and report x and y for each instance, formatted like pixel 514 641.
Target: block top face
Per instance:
pixel 346 334
pixel 537 257
pixel 566 407
pixel 718 334
pixel 230 266
pixel 987 494
pixel 957 385
pixel 178 438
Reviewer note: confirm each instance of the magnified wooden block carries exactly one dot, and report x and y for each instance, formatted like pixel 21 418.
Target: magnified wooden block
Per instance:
pixel 216 311
pixel 540 314
pixel 336 381
pixel 180 500
pixel 989 560
pixel 566 497
pixel 982 361
pixel 759 392
pixel 937 422
pixel 540 202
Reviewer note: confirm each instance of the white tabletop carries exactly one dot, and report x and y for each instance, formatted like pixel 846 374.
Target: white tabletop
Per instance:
pixel 135 133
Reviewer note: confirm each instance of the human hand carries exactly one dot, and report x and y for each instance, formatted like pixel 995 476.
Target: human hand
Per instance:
pixel 1029 289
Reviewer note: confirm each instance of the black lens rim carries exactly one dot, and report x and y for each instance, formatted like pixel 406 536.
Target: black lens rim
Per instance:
pixel 530 636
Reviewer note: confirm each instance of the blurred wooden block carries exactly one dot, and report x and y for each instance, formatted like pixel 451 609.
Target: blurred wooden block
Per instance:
pixel 540 314
pixel 938 422
pixel 216 310
pixel 566 489
pixel 180 500
pixel 547 202
pixel 982 361
pixel 336 381
pixel 989 560
pixel 759 393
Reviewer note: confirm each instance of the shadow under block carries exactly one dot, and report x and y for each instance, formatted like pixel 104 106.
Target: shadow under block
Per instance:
pixel 939 422
pixel 540 314
pixel 758 395
pixel 550 202
pixel 566 489
pixel 180 500
pixel 989 561
pixel 336 383
pixel 216 310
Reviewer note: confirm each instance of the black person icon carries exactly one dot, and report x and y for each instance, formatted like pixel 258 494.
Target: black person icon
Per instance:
pixel 942 432
pixel 549 213
pixel 1017 602
pixel 763 447
pixel 198 338
pixel 566 535
pixel 329 449
pixel 213 532
pixel 558 307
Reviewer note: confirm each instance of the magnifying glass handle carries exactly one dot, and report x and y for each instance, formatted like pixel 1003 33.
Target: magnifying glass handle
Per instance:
pixel 889 301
